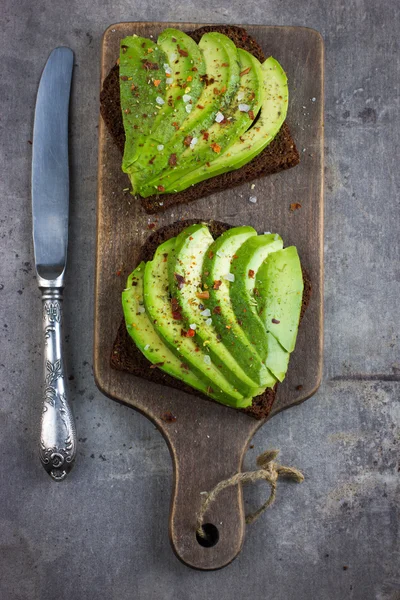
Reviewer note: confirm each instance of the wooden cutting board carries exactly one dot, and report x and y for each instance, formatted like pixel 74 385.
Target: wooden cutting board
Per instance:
pixel 208 441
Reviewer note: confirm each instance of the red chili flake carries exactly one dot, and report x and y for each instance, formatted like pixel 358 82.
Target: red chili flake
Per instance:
pixel 176 125
pixel 275 321
pixel 182 52
pixel 204 295
pixel 194 69
pixel 151 225
pixel 217 284
pixel 299 387
pixel 165 255
pixel 156 82
pixel 150 66
pixel 295 206
pixel 179 280
pixel 206 135
pixel 190 333
pixel 216 147
pixel 217 310
pixel 168 417
pixel 175 309
pixel 223 89
pixel 173 39
pixel 152 160
pixel 207 164
pixel 187 140
pixel 216 91
pixel 127 111
pixel 210 254
pixel 172 160
pixel 118 273
pixel 256 292
pixel 136 127
pixel 251 115
pixel 189 78
pixel 240 322
pixel 144 116
pixel 185 366
pixel 133 87
pixel 161 188
pixel 245 71
pixel 124 78
pixel 225 65
pixel 159 364
pixel 251 273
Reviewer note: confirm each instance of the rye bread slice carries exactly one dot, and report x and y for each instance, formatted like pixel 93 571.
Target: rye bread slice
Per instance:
pixel 125 356
pixel 280 154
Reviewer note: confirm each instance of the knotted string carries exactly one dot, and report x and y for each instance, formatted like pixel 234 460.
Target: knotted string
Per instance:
pixel 269 471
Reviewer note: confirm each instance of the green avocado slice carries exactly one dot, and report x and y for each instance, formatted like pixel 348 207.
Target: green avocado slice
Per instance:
pixel 272 115
pixel 184 72
pixel 250 256
pixel 169 326
pixel 227 127
pixel 143 333
pixel 280 284
pixel 140 64
pixel 218 269
pixel 221 82
pixel 185 283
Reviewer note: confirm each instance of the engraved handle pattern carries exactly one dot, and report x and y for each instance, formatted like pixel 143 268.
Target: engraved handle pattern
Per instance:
pixel 58 435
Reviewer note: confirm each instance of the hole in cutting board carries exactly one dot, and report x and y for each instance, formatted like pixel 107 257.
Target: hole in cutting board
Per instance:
pixel 212 536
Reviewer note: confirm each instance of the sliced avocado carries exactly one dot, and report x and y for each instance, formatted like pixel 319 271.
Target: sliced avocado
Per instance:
pixel 166 320
pixel 185 282
pixel 184 72
pixel 141 330
pixel 217 272
pixel 250 257
pixel 140 65
pixel 272 115
pixel 228 126
pixel 280 284
pixel 221 82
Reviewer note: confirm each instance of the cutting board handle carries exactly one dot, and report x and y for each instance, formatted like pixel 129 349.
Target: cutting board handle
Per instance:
pixel 200 462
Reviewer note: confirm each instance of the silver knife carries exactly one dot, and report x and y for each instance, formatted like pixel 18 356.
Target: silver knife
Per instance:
pixel 50 204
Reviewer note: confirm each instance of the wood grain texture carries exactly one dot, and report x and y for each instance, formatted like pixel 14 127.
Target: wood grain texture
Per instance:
pixel 208 441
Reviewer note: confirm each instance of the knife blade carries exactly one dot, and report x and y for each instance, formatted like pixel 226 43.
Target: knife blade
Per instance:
pixel 50 207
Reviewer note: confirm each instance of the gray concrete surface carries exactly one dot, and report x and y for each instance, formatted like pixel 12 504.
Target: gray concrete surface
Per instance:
pixel 103 532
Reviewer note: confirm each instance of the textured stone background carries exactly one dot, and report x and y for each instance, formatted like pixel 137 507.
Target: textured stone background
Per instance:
pixel 103 532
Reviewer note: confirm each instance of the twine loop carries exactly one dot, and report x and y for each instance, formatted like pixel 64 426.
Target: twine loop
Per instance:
pixel 268 470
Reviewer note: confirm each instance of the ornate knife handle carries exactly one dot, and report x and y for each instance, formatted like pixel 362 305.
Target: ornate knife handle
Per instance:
pixel 58 435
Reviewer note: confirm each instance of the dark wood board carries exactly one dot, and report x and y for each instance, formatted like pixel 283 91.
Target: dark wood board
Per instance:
pixel 208 441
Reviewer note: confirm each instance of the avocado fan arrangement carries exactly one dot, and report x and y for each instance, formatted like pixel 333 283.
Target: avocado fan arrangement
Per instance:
pixel 220 315
pixel 194 111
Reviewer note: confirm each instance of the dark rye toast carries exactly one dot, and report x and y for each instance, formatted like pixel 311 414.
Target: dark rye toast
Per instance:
pixel 126 356
pixel 280 154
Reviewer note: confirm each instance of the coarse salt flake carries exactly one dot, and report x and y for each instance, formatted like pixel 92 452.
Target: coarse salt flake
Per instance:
pixel 159 100
pixel 209 321
pixel 240 96
pixel 206 312
pixel 193 142
pixel 207 359
pixel 218 253
pixel 219 117
pixel 188 108
pixel 229 277
pixel 141 309
pixel 160 147
pixel 244 107
pixel 193 326
pixel 147 346
pixel 253 199
pixel 186 98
